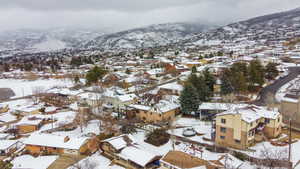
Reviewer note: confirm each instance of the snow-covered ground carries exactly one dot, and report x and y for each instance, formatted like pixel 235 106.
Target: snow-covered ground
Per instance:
pixel 97 160
pixel 27 161
pixel 92 127
pixel 25 87
pixel 285 88
pixel 50 45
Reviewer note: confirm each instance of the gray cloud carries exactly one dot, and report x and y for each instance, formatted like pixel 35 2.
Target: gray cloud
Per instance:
pixel 124 14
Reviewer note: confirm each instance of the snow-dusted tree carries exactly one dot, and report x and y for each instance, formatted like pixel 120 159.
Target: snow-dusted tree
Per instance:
pixel 270 101
pixel 85 164
pixel 274 158
pixel 36 93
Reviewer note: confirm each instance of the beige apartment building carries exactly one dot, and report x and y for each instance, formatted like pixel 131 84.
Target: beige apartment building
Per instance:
pixel 242 127
pixel 290 109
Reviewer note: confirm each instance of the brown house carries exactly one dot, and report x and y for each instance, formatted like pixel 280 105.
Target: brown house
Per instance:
pixel 124 151
pixel 181 160
pixel 162 111
pixel 7 147
pixel 29 124
pixel 290 108
pixel 52 144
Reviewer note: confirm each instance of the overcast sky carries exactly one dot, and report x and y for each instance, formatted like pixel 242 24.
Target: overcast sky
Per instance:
pixel 124 14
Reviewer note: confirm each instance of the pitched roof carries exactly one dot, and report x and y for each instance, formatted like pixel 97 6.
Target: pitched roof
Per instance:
pixel 183 160
pixel 49 140
pixel 252 113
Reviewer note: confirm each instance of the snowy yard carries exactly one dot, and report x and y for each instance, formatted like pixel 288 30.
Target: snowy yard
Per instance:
pixel 27 161
pixel 285 88
pixel 25 87
pixel 98 161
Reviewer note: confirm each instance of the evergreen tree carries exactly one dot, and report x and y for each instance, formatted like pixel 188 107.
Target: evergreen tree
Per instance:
pixel 189 99
pixel 209 79
pixel 76 79
pixel 226 87
pixel 256 73
pixel 240 82
pixel 6 67
pixel 194 69
pixel 94 75
pixel 198 82
pixel 220 53
pixel 271 71
pixel 128 71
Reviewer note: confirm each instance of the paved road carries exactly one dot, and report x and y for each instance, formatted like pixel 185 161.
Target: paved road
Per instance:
pixel 274 87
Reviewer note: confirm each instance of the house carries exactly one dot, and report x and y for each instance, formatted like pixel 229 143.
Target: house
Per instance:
pixel 29 124
pixel 53 144
pixel 242 127
pixel 8 147
pixel 28 110
pixel 119 100
pixel 208 109
pixel 290 108
pixel 124 151
pixel 3 108
pixel 164 110
pixel 181 160
pixel 171 89
pixel 3 136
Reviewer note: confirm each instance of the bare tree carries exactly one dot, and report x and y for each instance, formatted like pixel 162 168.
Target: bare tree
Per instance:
pixel 274 158
pixel 36 93
pixel 85 164
pixel 83 117
pixel 270 101
pixel 230 98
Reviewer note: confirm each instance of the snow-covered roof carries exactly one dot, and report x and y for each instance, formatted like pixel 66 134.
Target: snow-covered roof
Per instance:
pixel 127 97
pixel 137 155
pixel 140 107
pixel 287 99
pixel 220 106
pixel 4 144
pixel 49 140
pixel 119 142
pixel 30 120
pixel 155 71
pixel 172 86
pixel 165 106
pixel 252 113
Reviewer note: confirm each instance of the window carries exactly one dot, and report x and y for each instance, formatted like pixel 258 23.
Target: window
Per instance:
pixel 237 141
pixel 267 121
pixel 223 121
pixel 251 133
pixel 223 129
pixel 222 137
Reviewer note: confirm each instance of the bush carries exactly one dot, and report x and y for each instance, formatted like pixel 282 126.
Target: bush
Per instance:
pixel 104 136
pixel 157 137
pixel 240 156
pixel 128 129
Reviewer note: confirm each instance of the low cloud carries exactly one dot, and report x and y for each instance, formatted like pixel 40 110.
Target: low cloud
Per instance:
pixel 124 14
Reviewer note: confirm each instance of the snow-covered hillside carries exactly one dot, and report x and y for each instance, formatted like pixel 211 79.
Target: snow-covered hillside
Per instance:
pixel 50 45
pixel 277 26
pixel 154 35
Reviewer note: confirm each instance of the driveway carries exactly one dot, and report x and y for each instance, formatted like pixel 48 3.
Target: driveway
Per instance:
pixel 276 85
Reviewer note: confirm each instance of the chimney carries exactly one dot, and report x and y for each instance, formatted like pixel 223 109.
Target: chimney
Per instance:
pixel 66 139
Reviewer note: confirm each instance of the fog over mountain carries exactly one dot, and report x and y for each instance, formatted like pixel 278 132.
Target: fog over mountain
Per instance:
pixel 127 14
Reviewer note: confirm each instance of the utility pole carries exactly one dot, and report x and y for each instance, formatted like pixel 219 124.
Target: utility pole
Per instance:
pixel 290 139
